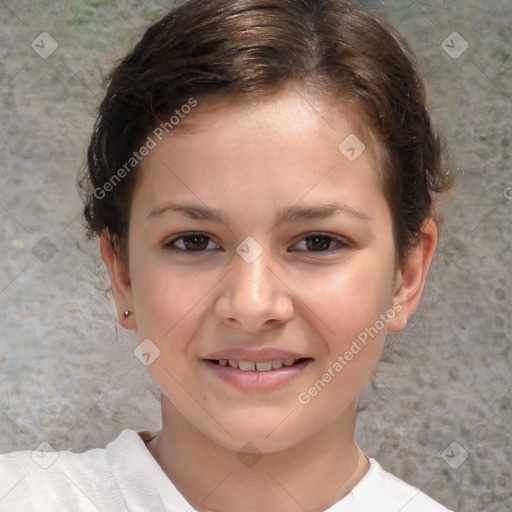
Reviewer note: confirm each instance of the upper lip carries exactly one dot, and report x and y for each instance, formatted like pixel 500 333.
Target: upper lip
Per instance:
pixel 256 355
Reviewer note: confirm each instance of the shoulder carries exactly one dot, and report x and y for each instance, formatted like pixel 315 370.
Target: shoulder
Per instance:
pixel 381 490
pixel 56 480
pixel 389 492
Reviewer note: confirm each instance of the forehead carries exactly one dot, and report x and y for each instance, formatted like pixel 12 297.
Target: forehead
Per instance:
pixel 288 142
pixel 297 101
pixel 304 112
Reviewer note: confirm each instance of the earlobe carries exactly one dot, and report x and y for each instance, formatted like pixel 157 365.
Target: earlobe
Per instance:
pixel 120 279
pixel 412 276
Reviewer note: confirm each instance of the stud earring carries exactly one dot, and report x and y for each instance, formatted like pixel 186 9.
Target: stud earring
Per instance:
pixel 126 314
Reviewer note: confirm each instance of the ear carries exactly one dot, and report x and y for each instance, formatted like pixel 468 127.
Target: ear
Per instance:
pixel 121 283
pixel 412 276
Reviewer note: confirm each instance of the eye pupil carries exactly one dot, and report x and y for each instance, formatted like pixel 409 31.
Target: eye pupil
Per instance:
pixel 197 242
pixel 319 242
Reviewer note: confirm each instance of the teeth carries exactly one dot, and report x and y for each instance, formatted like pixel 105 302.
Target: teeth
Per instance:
pixel 264 366
pixel 261 366
pixel 246 365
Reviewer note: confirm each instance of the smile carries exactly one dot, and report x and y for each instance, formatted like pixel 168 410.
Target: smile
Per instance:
pixel 260 366
pixel 257 375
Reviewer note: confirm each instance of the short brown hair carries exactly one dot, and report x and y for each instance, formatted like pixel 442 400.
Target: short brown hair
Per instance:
pixel 253 47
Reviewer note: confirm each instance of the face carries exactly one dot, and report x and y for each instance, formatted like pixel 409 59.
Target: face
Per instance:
pixel 255 239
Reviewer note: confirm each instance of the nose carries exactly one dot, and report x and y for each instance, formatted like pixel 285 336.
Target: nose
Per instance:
pixel 254 297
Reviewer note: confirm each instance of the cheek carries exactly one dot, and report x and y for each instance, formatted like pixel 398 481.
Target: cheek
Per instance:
pixel 348 301
pixel 167 300
pixel 170 305
pixel 345 311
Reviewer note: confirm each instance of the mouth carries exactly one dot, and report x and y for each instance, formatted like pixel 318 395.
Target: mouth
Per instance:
pixel 259 366
pixel 257 375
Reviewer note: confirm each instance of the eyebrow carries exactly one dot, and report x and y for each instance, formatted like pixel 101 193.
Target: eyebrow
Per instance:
pixel 290 214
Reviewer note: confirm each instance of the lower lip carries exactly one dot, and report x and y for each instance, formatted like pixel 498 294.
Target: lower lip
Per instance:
pixel 256 380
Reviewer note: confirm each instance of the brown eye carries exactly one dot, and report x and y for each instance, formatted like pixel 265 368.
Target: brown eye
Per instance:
pixel 318 243
pixel 194 242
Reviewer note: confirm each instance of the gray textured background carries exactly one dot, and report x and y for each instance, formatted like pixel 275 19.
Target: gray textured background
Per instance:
pixel 67 372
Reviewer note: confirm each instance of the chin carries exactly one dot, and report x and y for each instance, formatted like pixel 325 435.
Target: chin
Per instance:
pixel 267 431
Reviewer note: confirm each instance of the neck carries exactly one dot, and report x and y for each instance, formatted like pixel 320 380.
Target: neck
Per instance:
pixel 214 478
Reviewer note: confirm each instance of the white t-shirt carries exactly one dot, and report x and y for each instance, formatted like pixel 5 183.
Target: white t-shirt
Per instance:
pixel 124 477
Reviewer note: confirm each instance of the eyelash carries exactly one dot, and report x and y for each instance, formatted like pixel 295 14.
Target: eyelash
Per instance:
pixel 341 244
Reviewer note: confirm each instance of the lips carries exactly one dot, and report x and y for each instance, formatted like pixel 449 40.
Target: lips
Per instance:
pixel 257 355
pixel 263 360
pixel 261 369
pixel 260 366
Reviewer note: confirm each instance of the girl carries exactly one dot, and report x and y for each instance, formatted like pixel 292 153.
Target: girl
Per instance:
pixel 263 176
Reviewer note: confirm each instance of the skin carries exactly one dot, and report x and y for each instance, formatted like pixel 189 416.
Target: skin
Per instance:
pixel 249 160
